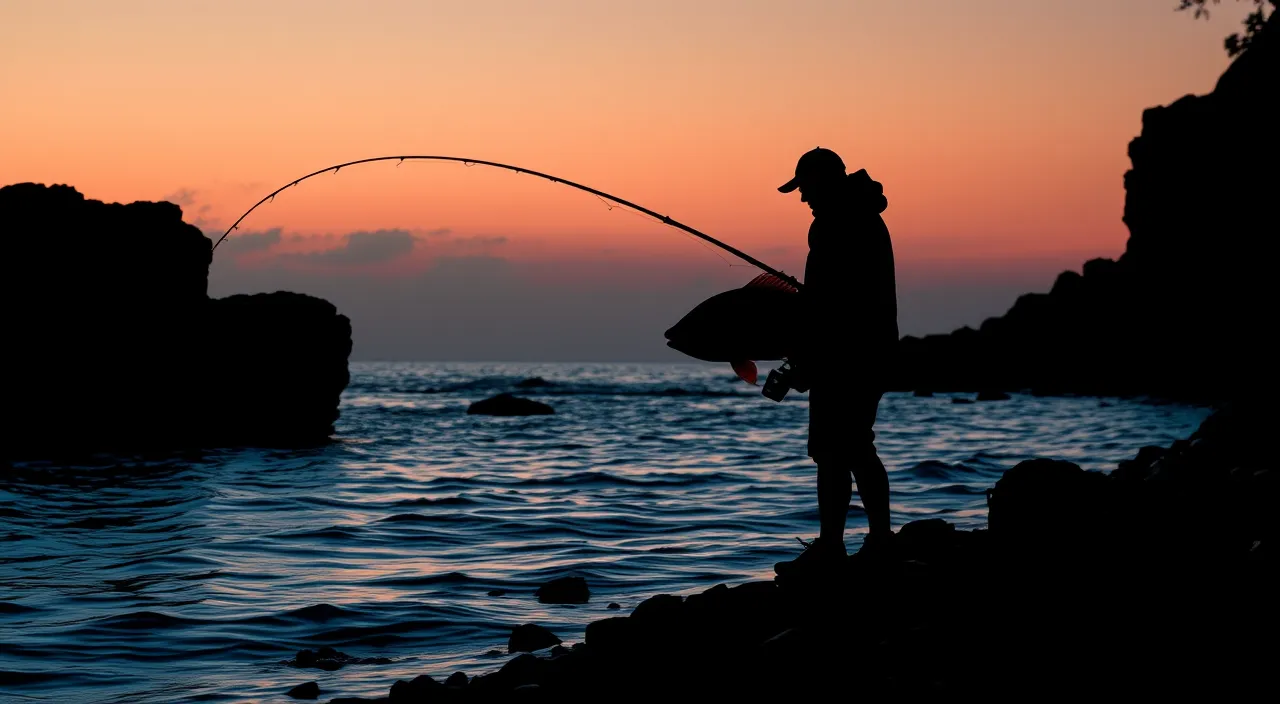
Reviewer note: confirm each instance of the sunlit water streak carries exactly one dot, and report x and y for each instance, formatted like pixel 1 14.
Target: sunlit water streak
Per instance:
pixel 193 577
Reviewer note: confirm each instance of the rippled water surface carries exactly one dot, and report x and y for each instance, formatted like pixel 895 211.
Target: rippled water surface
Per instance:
pixel 193 577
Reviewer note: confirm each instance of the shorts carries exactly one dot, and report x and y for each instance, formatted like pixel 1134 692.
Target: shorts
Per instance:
pixel 841 421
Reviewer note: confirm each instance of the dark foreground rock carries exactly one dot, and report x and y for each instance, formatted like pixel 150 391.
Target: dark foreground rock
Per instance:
pixel 565 590
pixel 112 343
pixel 1155 580
pixel 530 637
pixel 508 405
pixel 1182 313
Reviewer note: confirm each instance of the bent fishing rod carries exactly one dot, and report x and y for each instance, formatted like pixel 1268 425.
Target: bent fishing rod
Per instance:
pixel 665 220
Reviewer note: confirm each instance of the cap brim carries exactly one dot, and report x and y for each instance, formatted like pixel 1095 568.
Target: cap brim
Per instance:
pixel 789 186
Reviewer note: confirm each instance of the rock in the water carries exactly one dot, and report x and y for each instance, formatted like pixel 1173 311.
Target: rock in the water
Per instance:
pixel 535 382
pixel 565 590
pixel 169 368
pixel 508 405
pixel 993 395
pixel 291 400
pixel 614 606
pixel 306 690
pixel 457 679
pixel 530 637
pixel 497 592
pixel 327 658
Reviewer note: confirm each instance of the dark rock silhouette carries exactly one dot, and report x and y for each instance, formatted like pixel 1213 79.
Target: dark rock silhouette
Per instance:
pixel 1183 312
pixel 327 658
pixel 113 343
pixel 530 637
pixel 306 690
pixel 565 590
pixel 420 689
pixel 278 368
pixel 1153 579
pixel 533 382
pixel 457 679
pixel 508 405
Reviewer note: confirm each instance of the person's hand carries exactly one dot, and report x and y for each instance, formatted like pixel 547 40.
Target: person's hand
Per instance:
pixel 797 377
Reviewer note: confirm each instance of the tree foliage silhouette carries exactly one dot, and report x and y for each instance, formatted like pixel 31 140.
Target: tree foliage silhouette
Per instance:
pixel 1253 23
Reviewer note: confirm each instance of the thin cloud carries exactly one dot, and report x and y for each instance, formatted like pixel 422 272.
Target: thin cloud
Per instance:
pixel 251 241
pixel 183 197
pixel 364 247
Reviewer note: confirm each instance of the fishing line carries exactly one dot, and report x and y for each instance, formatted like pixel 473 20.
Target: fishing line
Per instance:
pixel 608 198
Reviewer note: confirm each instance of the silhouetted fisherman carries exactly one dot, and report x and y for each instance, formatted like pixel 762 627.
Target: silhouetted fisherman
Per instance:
pixel 850 332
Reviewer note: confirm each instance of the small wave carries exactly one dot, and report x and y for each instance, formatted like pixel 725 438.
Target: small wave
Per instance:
pixel 332 532
pixel 96 522
pixel 318 613
pixel 144 620
pixel 446 501
pixel 651 479
pixel 933 469
pixel 15 677
pixel 427 518
pixel 424 580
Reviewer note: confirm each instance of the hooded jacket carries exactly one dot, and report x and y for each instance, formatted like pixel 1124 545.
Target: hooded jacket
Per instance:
pixel 849 299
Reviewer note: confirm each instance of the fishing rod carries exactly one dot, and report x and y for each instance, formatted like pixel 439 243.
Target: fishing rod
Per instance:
pixel 664 219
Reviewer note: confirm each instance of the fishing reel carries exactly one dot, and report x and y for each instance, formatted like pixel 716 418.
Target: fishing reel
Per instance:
pixel 782 380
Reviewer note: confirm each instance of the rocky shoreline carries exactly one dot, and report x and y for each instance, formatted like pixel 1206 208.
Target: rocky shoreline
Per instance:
pixel 1155 579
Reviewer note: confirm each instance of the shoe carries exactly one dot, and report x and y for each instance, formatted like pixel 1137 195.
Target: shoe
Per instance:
pixel 877 548
pixel 818 557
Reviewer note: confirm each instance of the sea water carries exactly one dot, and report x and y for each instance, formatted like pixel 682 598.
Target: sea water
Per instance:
pixel 421 534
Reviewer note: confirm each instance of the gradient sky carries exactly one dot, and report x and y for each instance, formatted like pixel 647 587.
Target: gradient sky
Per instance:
pixel 999 129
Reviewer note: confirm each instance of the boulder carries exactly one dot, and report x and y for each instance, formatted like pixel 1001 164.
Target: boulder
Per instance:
pixel 508 405
pixel 328 659
pixel 306 690
pixel 420 689
pixel 530 637
pixel 565 590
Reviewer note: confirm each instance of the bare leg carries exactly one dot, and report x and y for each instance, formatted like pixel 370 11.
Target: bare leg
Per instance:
pixel 873 488
pixel 834 492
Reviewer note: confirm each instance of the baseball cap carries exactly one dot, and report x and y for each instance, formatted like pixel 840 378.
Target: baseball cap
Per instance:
pixel 815 165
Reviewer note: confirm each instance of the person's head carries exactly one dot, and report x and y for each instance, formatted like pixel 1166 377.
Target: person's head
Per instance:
pixel 819 175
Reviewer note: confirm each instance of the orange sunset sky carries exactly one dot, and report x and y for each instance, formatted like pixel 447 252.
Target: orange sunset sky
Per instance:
pixel 999 129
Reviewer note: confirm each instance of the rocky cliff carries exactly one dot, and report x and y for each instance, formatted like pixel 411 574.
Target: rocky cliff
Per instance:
pixel 1185 311
pixel 112 342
